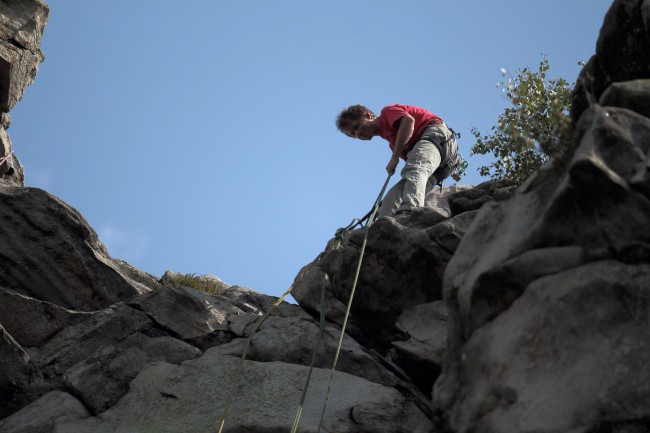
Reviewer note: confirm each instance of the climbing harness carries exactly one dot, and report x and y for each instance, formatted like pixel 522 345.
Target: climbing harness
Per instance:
pixel 459 169
pixel 339 238
pixel 456 168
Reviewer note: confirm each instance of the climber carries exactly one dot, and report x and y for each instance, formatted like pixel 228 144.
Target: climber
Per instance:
pixel 414 134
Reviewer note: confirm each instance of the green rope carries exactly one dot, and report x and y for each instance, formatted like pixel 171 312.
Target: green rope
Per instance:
pixel 354 287
pixel 237 375
pixel 296 420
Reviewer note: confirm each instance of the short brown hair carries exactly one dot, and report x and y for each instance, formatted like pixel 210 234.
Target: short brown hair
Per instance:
pixel 352 114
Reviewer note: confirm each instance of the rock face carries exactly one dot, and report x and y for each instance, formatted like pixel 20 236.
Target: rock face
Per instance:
pixel 50 253
pixel 622 53
pixel 21 29
pixel 549 292
pixel 524 310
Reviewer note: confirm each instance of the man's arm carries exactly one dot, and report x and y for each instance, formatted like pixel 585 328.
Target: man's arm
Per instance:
pixel 404 133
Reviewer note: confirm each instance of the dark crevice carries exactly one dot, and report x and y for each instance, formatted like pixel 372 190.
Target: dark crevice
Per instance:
pixel 155 323
pixel 76 394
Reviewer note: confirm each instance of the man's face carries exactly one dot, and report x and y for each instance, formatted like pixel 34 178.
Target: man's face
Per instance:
pixel 361 129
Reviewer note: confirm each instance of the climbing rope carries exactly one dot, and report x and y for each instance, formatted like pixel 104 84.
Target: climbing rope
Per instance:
pixel 8 157
pixel 262 319
pixel 375 208
pixel 339 240
pixel 321 331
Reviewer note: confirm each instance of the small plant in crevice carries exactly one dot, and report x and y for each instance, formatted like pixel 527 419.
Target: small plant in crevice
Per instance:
pixel 192 280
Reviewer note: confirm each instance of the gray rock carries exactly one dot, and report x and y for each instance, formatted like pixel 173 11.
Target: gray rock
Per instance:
pixel 556 276
pixel 191 397
pixel 403 266
pixel 20 38
pixel 570 353
pixel 32 322
pixel 622 53
pixel 252 301
pixel 298 337
pixel 42 415
pixel 449 233
pixel 112 368
pixel 308 289
pixel 238 323
pixel 438 199
pixel 137 275
pixel 472 199
pixel 188 314
pixel 423 348
pixel 633 95
pixel 15 374
pixel 23 22
pixel 79 342
pixel 426 326
pixel 50 253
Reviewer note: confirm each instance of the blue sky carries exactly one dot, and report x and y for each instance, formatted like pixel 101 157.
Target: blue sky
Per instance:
pixel 199 136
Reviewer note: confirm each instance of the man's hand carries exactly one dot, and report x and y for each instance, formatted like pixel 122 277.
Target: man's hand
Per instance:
pixel 404 133
pixel 392 164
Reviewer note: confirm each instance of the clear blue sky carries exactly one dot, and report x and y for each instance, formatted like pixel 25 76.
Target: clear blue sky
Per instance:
pixel 199 136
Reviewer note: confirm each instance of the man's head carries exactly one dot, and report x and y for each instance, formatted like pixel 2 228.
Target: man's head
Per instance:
pixel 358 121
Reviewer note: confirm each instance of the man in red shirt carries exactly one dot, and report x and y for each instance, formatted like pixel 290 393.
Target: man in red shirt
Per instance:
pixel 414 134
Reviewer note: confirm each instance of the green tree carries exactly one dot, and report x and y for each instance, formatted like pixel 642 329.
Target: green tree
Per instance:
pixel 537 126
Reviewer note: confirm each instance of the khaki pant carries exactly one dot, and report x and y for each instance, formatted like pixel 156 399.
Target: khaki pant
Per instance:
pixel 418 174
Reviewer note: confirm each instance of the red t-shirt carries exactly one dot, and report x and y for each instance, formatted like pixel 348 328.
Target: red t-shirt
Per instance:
pixel 392 113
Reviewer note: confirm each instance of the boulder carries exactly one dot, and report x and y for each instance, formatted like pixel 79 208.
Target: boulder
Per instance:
pixel 542 280
pixel 426 327
pixel 633 95
pixel 188 314
pixel 50 253
pixel 23 23
pixel 402 267
pixel 79 342
pixel 115 365
pixel 191 397
pixel 137 275
pixel 570 354
pixel 438 198
pixel 298 337
pixel 622 53
pixel 15 374
pixel 40 416
pixel 32 322
pixel 473 198
pixel 423 351
pixel 105 351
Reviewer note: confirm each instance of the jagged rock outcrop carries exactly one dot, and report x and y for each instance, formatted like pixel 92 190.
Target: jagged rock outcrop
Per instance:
pixel 549 292
pixel 543 325
pixel 75 320
pixel 397 310
pixel 403 263
pixel 50 253
pixel 622 53
pixel 21 29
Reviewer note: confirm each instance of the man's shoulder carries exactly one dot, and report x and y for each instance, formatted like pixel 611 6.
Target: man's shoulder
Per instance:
pixel 395 107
